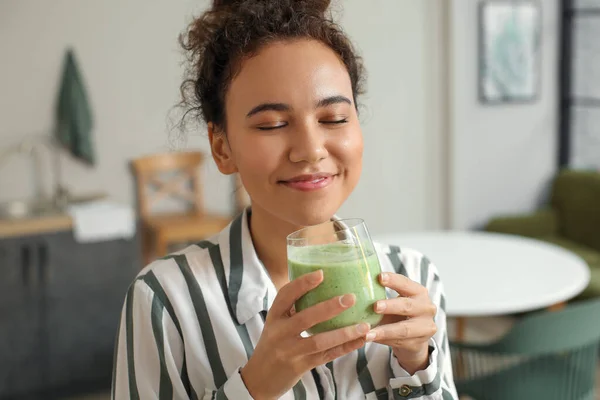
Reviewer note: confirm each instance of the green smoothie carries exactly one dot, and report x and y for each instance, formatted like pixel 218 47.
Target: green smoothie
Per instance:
pixel 346 269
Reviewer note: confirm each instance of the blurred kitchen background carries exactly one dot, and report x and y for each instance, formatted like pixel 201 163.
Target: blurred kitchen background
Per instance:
pixel 480 116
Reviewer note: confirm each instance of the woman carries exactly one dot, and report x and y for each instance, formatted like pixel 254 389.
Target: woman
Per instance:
pixel 277 83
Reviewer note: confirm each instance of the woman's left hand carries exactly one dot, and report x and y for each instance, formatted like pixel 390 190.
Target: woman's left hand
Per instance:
pixel 408 322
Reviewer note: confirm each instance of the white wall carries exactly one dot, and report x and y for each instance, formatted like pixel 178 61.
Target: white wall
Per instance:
pixel 502 157
pixel 130 60
pixel 399 190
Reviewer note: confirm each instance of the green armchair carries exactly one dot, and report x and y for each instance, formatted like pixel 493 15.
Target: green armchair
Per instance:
pixel 571 220
pixel 545 356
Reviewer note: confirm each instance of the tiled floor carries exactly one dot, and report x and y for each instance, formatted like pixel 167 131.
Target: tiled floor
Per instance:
pixel 478 330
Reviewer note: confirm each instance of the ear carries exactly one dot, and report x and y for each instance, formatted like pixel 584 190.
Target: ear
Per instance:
pixel 221 151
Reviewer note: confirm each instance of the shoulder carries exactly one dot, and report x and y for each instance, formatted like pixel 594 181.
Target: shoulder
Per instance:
pixel 195 257
pixel 171 276
pixel 406 261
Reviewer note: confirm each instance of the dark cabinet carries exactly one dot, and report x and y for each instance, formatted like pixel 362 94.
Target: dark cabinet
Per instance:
pixel 21 320
pixel 65 313
pixel 85 287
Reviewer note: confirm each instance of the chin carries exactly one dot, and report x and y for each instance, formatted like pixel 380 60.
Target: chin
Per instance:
pixel 310 214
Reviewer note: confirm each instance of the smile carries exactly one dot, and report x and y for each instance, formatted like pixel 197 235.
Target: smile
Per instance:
pixel 308 183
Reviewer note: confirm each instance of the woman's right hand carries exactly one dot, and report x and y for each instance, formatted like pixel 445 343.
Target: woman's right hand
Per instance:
pixel 282 356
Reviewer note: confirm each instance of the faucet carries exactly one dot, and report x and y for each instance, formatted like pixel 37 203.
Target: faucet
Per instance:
pixel 32 147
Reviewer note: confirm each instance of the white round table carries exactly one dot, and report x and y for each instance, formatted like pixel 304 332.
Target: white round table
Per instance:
pixel 486 274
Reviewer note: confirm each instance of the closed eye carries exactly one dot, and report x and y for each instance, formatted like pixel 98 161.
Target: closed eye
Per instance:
pixel 339 121
pixel 271 127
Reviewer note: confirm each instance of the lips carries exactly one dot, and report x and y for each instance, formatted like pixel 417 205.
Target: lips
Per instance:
pixel 309 182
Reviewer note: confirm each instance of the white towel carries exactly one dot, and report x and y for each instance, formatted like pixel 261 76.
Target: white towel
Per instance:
pixel 102 220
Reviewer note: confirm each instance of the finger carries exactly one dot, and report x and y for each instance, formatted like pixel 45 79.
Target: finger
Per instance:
pixel 320 312
pixel 337 352
pixel 407 306
pixel 401 284
pixel 412 346
pixel 288 294
pixel 404 330
pixel 292 311
pixel 325 341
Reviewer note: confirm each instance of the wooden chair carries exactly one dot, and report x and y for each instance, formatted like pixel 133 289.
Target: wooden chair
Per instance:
pixel 172 176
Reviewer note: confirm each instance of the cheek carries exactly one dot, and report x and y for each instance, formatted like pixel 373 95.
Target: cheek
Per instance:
pixel 258 156
pixel 349 148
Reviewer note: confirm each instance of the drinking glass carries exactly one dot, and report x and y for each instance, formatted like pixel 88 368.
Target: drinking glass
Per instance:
pixel 344 251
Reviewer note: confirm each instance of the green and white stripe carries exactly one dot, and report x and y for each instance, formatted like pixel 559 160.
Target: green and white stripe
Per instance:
pixel 191 320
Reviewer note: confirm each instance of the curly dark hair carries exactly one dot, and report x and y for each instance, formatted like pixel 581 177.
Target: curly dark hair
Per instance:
pixel 219 40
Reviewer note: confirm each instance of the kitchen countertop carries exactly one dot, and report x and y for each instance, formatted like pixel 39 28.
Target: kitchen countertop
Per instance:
pixel 37 224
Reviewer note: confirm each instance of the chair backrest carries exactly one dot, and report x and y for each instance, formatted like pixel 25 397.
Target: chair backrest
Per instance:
pixel 546 332
pixel 576 197
pixel 172 175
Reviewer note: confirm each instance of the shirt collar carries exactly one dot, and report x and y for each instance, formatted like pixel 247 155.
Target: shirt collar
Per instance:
pixel 249 287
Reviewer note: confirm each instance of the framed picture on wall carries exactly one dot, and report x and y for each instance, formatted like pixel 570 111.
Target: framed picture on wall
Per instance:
pixel 509 51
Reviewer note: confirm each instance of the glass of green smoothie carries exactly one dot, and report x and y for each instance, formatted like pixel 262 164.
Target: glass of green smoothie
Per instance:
pixel 343 250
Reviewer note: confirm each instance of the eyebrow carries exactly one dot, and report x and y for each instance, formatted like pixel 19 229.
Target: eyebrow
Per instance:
pixel 327 101
pixel 268 107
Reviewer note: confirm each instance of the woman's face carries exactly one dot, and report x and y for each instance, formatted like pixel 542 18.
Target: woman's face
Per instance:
pixel 292 132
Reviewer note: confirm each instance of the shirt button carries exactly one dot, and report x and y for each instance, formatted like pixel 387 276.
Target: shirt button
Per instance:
pixel 405 390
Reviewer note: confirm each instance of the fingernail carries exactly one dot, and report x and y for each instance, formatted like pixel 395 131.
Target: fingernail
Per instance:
pixel 363 328
pixel 316 277
pixel 384 277
pixel 347 300
pixel 380 306
pixel 371 336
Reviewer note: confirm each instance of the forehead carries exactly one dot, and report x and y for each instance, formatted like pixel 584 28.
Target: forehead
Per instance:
pixel 297 72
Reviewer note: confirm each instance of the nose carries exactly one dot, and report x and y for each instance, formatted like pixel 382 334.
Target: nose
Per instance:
pixel 308 144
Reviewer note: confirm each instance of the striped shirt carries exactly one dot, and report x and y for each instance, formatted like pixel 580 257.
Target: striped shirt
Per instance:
pixel 190 321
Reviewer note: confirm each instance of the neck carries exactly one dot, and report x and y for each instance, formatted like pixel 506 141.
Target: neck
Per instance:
pixel 269 235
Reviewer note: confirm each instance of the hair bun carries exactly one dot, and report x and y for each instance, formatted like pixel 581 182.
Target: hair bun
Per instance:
pixel 318 5
pixel 225 3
